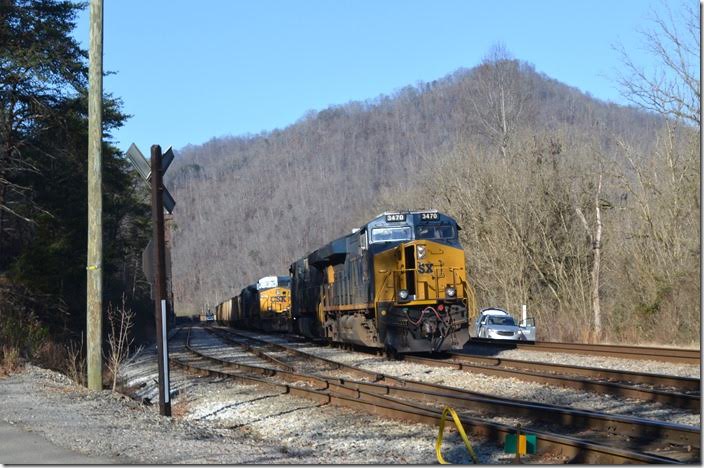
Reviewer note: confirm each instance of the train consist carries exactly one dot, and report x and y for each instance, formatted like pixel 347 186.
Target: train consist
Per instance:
pixel 398 283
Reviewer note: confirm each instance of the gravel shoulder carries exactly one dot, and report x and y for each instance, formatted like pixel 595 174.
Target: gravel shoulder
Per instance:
pixel 216 422
pixel 113 426
pixel 19 446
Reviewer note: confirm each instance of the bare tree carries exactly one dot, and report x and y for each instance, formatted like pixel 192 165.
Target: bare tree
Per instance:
pixel 595 240
pixel 671 88
pixel 120 339
pixel 501 99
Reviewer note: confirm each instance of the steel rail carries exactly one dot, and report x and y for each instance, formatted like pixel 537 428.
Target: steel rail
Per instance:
pixel 577 450
pixel 675 399
pixel 685 384
pixel 582 419
pixel 685 356
pixel 687 396
pixel 265 356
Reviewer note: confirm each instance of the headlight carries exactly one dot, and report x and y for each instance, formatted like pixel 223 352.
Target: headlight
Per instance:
pixel 450 291
pixel 403 294
pixel 421 251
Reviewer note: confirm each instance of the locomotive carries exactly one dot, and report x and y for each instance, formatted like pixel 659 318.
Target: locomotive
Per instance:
pixel 264 305
pixel 397 283
pixel 274 301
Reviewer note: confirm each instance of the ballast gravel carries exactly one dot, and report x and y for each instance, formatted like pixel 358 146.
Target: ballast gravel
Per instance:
pixel 220 421
pixel 603 362
pixel 518 389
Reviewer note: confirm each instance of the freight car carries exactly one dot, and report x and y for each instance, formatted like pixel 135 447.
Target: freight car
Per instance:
pixel 223 312
pixel 397 283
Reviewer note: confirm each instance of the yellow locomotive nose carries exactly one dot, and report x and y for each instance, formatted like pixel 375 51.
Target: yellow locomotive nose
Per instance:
pixel 428 271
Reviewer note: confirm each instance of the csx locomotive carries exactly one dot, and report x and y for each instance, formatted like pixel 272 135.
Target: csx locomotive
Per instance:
pixel 264 305
pixel 398 283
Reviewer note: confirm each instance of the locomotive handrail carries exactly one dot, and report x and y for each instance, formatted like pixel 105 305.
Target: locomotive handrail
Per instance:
pixel 376 294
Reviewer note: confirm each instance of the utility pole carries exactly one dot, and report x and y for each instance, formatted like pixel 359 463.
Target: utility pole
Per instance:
pixel 160 297
pixel 94 274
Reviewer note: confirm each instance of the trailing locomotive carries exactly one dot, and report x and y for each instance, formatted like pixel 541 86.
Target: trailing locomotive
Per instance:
pixel 398 283
pixel 274 296
pixel 264 305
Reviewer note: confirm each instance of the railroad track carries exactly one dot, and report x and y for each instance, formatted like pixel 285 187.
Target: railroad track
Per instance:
pixel 685 356
pixel 408 400
pixel 679 392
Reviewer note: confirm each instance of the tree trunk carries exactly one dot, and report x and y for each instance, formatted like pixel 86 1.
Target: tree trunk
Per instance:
pixel 596 304
pixel 3 190
pixel 595 239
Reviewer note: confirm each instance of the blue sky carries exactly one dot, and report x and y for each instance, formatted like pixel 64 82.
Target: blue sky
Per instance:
pixel 189 70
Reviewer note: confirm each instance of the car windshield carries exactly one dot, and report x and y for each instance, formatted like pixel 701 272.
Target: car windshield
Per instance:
pixel 387 234
pixel 443 231
pixel 500 320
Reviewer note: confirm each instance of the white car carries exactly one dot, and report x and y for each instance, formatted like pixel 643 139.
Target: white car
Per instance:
pixel 496 324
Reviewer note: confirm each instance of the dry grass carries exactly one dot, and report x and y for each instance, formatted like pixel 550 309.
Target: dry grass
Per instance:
pixel 75 364
pixel 51 355
pixel 10 361
pixel 180 409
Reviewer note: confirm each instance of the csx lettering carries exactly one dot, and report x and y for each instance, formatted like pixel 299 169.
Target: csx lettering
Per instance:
pixel 425 268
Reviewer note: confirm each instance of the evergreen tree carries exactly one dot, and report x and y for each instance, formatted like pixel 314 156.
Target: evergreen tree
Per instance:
pixel 43 176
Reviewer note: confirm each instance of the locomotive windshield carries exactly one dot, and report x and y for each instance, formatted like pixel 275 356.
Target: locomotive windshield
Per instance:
pixel 388 234
pixel 284 282
pixel 443 231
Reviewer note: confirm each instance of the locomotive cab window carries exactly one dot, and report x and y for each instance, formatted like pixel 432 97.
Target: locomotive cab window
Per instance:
pixel 390 234
pixel 443 231
pixel 363 240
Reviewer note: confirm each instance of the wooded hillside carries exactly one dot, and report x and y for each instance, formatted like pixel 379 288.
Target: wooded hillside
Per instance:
pixel 520 159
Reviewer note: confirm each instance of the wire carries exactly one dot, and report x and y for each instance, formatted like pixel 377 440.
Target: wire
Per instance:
pixel 422 314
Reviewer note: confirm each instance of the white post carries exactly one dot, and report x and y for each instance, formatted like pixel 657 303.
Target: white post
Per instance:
pixel 525 315
pixel 165 353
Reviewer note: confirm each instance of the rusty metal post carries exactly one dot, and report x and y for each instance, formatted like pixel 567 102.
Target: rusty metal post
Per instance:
pixel 160 298
pixel 94 271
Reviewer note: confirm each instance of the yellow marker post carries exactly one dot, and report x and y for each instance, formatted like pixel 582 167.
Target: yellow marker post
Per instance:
pixel 460 429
